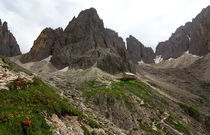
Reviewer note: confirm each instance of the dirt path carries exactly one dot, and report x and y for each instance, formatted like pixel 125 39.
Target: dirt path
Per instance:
pixel 163 122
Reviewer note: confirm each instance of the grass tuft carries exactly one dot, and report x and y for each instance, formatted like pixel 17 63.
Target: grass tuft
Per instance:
pixel 190 111
pixel 177 125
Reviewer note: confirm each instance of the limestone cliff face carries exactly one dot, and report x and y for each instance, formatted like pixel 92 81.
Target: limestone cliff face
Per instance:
pixel 84 43
pixel 45 45
pixel 8 43
pixel 193 36
pixel 138 52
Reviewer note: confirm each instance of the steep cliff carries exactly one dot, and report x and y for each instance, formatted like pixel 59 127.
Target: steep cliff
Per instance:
pixel 193 36
pixel 8 43
pixel 138 52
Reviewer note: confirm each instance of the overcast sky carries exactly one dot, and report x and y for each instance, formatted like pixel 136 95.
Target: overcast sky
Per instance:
pixel 150 21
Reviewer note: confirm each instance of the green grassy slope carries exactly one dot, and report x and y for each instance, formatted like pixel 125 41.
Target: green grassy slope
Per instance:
pixel 22 108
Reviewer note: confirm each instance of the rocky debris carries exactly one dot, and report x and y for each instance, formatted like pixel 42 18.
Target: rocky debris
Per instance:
pixel 181 62
pixel 70 125
pixel 193 36
pixel 8 43
pixel 84 43
pixel 60 127
pixel 138 52
pixel 7 76
pixel 201 69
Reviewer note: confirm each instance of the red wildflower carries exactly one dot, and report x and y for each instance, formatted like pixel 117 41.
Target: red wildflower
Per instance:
pixel 27 122
pixel 35 101
pixel 18 82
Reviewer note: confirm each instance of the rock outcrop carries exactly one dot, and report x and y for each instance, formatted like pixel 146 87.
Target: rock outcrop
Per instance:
pixel 138 52
pixel 7 75
pixel 45 45
pixel 8 43
pixel 84 43
pixel 193 36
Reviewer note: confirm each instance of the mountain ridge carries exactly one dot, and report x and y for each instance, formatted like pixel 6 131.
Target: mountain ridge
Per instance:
pixel 193 36
pixel 84 43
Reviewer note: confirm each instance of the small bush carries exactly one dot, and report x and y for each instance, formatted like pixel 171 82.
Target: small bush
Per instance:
pixel 145 127
pixel 190 111
pixel 205 86
pixel 177 125
pixel 86 131
pixel 207 123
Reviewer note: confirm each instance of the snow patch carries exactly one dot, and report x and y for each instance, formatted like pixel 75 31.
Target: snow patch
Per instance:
pixel 64 69
pixel 158 59
pixel 187 52
pixel 47 59
pixel 189 37
pixel 128 73
pixel 171 59
pixel 140 62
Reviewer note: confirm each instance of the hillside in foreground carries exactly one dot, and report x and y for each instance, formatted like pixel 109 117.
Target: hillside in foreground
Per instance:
pixel 29 106
pixel 141 106
pixel 78 81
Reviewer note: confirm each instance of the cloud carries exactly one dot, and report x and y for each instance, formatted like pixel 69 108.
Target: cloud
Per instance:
pixel 149 21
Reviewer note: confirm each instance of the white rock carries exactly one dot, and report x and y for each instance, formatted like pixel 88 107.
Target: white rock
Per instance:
pixel 141 62
pixel 158 59
pixel 47 59
pixel 64 69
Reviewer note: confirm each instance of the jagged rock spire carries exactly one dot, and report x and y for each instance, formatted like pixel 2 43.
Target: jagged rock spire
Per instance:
pixel 8 43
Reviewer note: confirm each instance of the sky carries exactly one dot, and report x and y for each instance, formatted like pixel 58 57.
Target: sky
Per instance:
pixel 150 21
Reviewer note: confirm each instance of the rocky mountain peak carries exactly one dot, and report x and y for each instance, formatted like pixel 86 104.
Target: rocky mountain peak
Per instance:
pixel 84 43
pixel 8 43
pixel 87 20
pixel 89 14
pixel 138 52
pixel 5 27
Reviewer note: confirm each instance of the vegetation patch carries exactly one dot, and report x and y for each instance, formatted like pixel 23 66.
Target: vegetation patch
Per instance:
pixel 121 88
pixel 207 123
pixel 121 91
pixel 177 125
pixel 190 111
pixel 129 105
pixel 86 131
pixel 145 127
pixel 205 86
pixel 21 109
